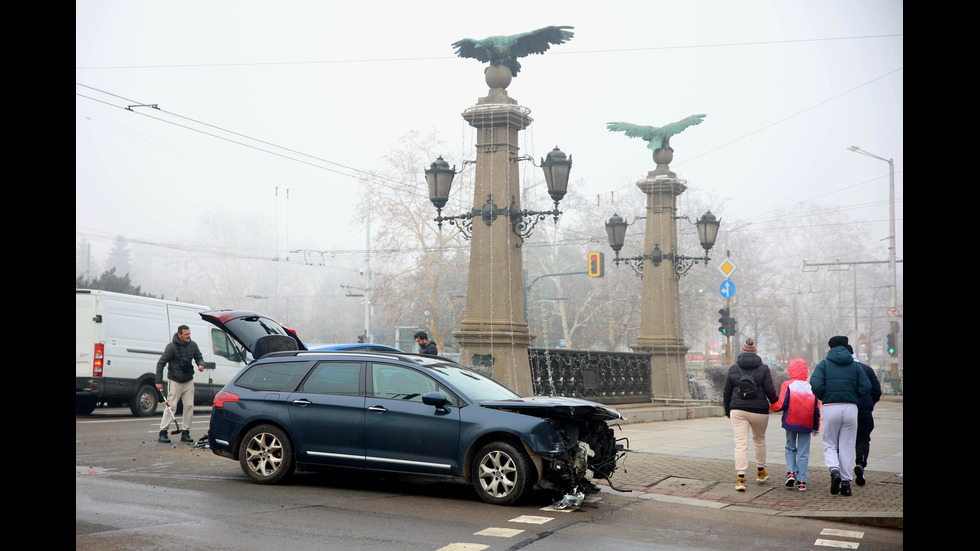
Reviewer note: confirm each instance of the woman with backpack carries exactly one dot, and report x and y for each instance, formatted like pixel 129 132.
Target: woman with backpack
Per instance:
pixel 801 417
pixel 748 392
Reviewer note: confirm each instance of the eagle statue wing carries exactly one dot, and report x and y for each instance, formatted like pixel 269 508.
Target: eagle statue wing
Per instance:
pixel 646 133
pixel 505 50
pixel 676 127
pixel 656 137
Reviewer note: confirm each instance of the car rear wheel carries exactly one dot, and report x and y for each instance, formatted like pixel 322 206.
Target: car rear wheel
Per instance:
pixel 266 455
pixel 501 473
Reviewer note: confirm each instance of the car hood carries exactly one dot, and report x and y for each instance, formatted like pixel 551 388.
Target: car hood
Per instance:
pixel 557 407
pixel 257 333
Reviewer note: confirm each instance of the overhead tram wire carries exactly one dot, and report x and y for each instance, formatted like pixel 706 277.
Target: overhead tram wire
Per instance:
pixel 363 175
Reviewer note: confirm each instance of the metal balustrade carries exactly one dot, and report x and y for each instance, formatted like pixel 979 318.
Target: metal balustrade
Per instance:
pixel 604 377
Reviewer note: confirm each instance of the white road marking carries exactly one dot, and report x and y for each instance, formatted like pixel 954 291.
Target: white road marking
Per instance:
pixel 464 547
pixel 499 532
pixel 842 533
pixel 528 519
pixel 837 544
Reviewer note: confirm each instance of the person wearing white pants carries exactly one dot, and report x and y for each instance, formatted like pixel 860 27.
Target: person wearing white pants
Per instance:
pixel 839 437
pixel 839 382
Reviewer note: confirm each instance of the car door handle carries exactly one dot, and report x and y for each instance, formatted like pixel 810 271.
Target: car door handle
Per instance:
pixel 378 409
pixel 302 402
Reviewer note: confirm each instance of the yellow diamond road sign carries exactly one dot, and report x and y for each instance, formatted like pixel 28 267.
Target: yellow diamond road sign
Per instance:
pixel 727 268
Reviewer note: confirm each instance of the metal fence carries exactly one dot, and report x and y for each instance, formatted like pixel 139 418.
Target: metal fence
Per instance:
pixel 604 377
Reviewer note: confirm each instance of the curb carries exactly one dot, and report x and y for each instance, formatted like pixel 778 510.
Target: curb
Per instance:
pixel 891 520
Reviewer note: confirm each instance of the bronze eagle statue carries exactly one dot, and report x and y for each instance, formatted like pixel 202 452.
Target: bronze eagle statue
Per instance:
pixel 505 50
pixel 656 137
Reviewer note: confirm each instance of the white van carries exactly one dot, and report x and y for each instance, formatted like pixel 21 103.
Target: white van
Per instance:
pixel 119 339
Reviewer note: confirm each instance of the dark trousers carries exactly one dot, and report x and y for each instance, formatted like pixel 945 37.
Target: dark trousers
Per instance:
pixel 866 424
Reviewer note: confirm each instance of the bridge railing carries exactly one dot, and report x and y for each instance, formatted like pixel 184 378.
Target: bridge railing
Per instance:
pixel 604 377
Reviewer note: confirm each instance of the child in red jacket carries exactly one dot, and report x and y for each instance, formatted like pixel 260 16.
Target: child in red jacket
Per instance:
pixel 801 417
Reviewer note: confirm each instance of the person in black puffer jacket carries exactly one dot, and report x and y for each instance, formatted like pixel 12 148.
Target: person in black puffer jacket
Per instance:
pixel 180 356
pixel 749 413
pixel 839 383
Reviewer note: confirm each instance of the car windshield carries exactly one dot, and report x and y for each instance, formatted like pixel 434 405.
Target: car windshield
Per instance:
pixel 474 385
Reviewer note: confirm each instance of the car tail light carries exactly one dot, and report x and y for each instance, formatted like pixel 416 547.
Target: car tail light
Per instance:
pixel 222 397
pixel 97 360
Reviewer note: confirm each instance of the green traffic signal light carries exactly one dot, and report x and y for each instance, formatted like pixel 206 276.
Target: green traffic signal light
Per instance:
pixel 891 344
pixel 725 321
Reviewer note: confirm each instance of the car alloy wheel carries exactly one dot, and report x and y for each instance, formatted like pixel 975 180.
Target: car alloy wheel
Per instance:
pixel 501 474
pixel 266 455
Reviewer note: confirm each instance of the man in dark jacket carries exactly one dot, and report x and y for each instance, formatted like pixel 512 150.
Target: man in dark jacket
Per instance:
pixel 177 356
pixel 749 412
pixel 866 422
pixel 426 347
pixel 839 382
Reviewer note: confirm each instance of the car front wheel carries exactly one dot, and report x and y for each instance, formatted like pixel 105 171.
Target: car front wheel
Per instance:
pixel 501 473
pixel 266 455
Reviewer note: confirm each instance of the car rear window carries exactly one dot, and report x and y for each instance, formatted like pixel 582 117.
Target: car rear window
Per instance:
pixel 278 376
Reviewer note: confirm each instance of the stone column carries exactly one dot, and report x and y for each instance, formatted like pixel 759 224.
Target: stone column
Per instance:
pixel 493 336
pixel 660 320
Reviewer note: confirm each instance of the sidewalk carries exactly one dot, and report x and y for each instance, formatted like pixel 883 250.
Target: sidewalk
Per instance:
pixel 691 461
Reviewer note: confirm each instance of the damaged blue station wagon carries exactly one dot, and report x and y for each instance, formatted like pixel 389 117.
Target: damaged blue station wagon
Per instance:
pixel 398 414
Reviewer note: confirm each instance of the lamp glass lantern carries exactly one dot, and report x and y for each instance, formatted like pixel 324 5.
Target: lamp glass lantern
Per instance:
pixel 708 230
pixel 616 231
pixel 556 166
pixel 439 177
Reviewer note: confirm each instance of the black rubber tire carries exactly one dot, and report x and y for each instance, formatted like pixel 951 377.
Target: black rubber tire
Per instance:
pixel 144 404
pixel 266 455
pixel 502 473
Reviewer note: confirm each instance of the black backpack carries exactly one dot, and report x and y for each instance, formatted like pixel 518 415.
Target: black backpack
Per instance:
pixel 746 386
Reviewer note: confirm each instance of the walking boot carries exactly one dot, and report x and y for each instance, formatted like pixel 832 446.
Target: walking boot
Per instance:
pixel 834 482
pixel 845 488
pixel 185 436
pixel 761 475
pixel 859 475
pixel 740 482
pixel 163 437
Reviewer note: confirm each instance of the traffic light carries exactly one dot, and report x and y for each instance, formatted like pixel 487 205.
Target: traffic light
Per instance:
pixel 732 326
pixel 725 322
pixel 596 265
pixel 891 344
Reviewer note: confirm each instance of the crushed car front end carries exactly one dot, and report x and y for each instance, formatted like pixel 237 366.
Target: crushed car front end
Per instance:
pixel 589 448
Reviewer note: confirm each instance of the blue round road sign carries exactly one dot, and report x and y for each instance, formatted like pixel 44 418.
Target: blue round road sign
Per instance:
pixel 726 289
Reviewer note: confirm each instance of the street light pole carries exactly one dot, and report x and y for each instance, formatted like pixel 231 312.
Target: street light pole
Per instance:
pixel 893 293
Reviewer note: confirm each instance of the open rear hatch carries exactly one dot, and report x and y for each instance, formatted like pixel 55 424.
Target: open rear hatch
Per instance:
pixel 257 333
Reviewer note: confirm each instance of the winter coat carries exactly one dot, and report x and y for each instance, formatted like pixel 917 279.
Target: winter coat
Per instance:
pixel 866 404
pixel 752 365
pixel 838 379
pixel 429 349
pixel 172 354
pixel 801 410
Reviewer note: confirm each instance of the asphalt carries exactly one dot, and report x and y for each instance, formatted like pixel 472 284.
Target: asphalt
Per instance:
pixel 683 453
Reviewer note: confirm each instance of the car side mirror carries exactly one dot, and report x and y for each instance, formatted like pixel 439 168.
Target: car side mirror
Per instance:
pixel 436 399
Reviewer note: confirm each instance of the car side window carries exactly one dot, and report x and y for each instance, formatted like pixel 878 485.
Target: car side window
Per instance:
pixel 275 376
pixel 334 378
pixel 400 383
pixel 222 345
